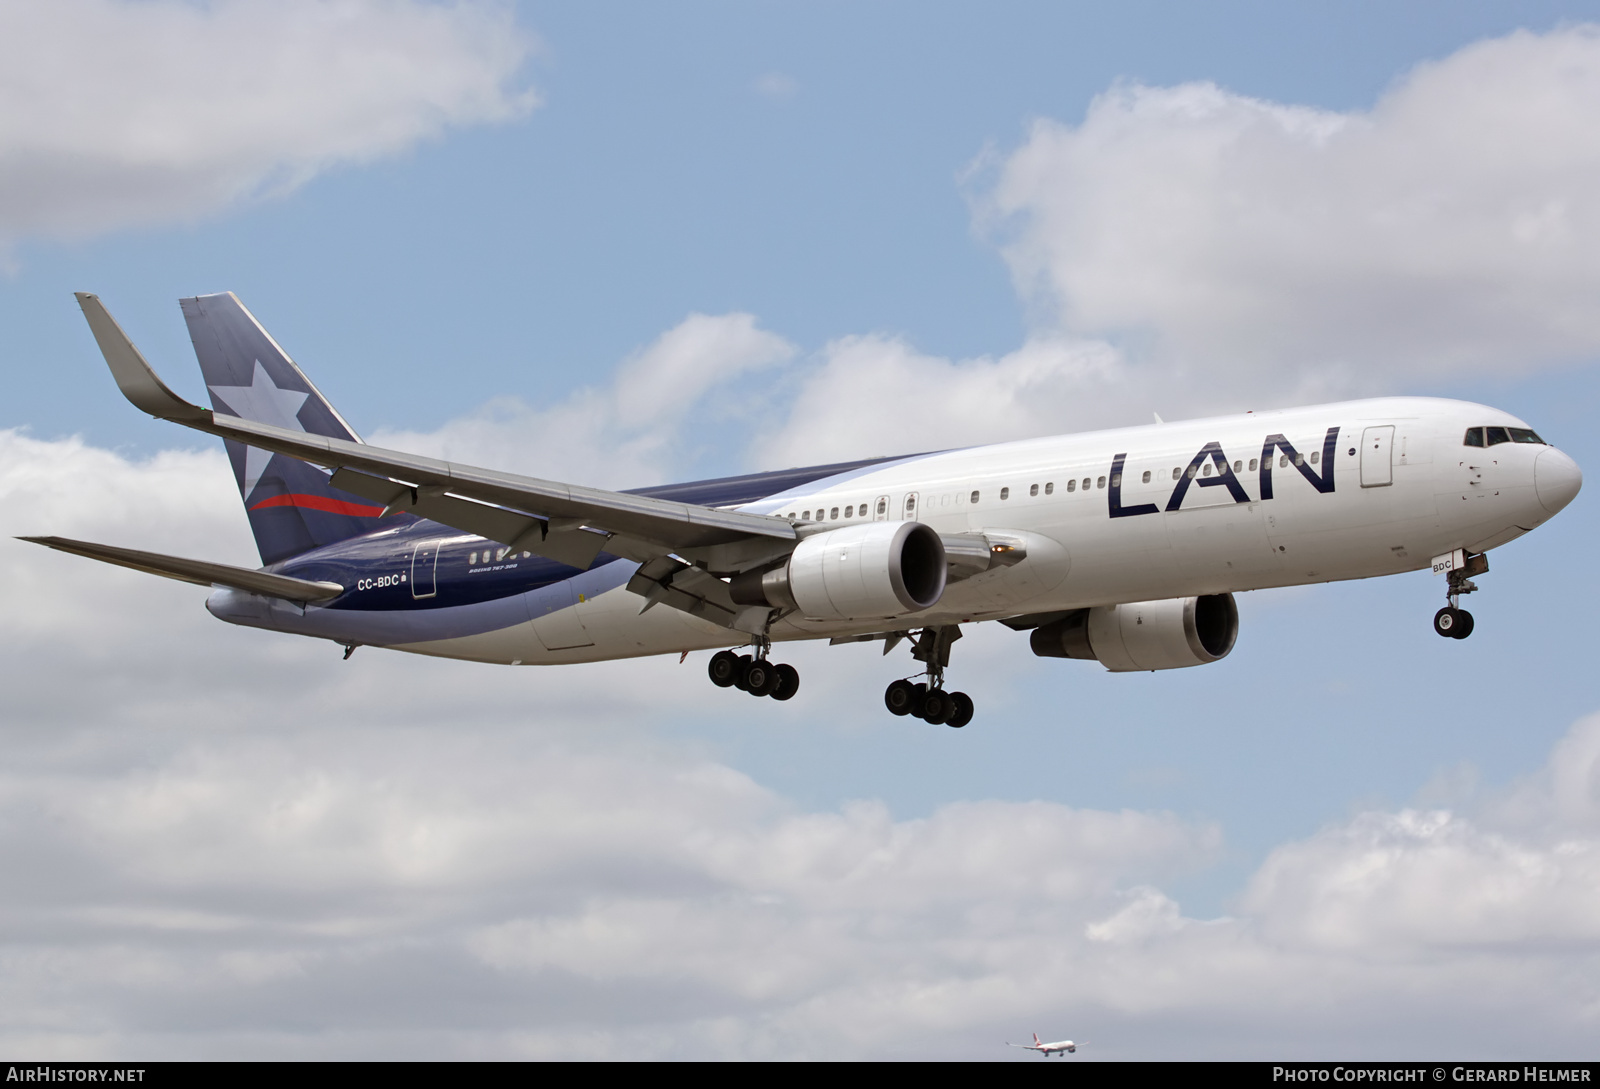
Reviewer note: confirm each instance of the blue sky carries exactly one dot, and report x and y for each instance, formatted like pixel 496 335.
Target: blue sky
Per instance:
pixel 949 225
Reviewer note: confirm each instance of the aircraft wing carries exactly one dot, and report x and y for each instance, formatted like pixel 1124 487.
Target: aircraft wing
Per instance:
pixel 565 522
pixel 198 572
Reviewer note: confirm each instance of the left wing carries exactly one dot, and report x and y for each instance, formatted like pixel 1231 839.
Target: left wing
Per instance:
pixel 565 522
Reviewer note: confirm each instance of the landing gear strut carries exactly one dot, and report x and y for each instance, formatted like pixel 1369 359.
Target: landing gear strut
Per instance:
pixel 1452 621
pixel 928 700
pixel 754 673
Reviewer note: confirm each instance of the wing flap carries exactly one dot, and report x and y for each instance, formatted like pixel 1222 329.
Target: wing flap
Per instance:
pixel 575 548
pixel 199 572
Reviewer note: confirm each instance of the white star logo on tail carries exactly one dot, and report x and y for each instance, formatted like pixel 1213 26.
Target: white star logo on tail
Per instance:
pixel 263 402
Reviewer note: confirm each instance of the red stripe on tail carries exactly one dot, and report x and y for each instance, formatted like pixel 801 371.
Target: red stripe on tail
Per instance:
pixel 318 502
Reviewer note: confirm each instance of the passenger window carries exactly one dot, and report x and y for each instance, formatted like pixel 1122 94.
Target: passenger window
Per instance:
pixel 974 497
pixel 472 559
pixel 1316 456
pixel 1033 489
pixel 1050 488
pixel 1100 482
pixel 1238 466
pixel 883 506
pixel 1116 480
pixel 1283 461
pixel 1146 479
pixel 805 515
pixel 1205 470
pixel 834 513
pixel 1252 465
pixel 1005 493
pixel 1474 437
pixel 1497 435
pixel 1072 485
pixel 849 512
pixel 1176 473
pixel 1193 470
pixel 1085 483
pixel 1299 459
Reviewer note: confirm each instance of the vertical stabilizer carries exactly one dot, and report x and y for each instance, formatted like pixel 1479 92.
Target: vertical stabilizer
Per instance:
pixel 292 507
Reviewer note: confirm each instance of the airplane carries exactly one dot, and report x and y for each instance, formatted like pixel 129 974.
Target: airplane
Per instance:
pixel 1061 1046
pixel 1122 546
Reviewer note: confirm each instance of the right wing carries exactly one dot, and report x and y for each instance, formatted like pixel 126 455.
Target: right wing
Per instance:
pixel 564 522
pixel 198 572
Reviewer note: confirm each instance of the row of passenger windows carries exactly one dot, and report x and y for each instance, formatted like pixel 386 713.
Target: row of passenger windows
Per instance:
pixel 1494 436
pixel 859 510
pixel 495 555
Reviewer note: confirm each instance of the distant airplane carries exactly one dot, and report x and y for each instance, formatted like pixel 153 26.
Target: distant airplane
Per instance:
pixel 1121 546
pixel 1060 1046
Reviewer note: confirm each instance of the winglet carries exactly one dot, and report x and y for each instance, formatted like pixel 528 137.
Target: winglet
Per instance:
pixel 138 382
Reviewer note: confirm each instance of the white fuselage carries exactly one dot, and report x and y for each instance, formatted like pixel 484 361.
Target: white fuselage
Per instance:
pixel 1393 488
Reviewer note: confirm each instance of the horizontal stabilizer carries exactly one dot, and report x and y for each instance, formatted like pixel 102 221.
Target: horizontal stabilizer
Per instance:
pixel 197 571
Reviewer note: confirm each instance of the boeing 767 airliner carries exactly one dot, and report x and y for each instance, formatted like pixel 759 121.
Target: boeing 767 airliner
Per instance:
pixel 1124 546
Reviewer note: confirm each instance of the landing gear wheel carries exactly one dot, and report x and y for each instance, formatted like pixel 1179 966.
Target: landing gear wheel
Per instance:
pixel 724 669
pixel 936 707
pixel 963 709
pixel 788 682
pixel 899 697
pixel 1452 623
pixel 760 678
pixel 741 670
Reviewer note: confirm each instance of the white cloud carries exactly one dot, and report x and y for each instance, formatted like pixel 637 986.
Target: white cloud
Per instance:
pixel 869 395
pixel 221 842
pixel 663 407
pixel 1285 252
pixel 117 113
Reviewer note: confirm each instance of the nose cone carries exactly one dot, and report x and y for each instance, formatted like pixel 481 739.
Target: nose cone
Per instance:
pixel 1557 479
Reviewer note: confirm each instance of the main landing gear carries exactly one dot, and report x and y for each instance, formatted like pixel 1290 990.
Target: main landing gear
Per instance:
pixel 754 674
pixel 928 700
pixel 1452 621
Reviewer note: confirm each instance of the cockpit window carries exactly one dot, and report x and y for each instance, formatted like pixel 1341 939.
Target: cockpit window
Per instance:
pixel 1496 435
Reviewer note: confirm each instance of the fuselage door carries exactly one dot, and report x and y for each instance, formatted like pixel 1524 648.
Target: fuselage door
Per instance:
pixel 908 507
pixel 1377 456
pixel 880 509
pixel 424 562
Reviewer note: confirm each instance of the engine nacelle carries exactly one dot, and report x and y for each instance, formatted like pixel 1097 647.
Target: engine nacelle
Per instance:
pixel 1169 634
pixel 875 569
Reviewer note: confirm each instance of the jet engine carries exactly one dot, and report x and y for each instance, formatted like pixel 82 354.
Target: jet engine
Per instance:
pixel 876 569
pixel 1169 634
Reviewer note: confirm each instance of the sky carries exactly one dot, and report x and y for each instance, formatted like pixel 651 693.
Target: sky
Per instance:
pixel 623 244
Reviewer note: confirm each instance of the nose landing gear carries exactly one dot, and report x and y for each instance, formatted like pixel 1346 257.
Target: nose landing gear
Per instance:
pixel 1452 621
pixel 928 700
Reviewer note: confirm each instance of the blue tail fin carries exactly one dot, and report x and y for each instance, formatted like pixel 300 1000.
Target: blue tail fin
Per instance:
pixel 291 506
